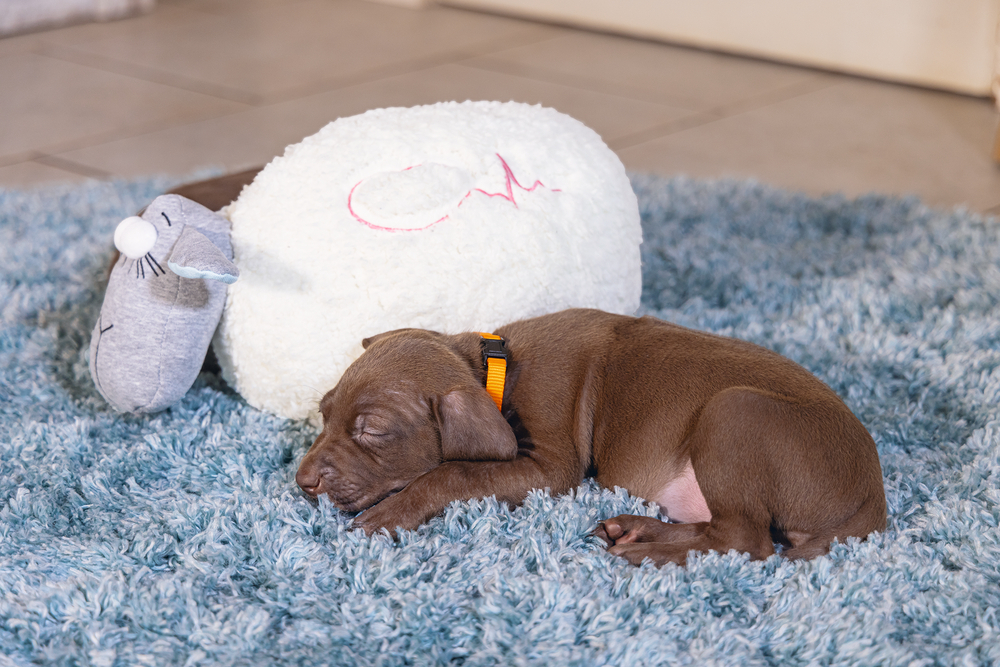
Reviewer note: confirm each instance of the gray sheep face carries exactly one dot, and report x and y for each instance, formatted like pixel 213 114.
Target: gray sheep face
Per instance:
pixel 164 299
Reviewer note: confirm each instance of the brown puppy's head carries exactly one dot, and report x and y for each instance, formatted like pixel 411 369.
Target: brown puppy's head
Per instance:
pixel 410 402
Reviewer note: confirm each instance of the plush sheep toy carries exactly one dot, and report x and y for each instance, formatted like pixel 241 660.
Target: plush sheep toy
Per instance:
pixel 452 217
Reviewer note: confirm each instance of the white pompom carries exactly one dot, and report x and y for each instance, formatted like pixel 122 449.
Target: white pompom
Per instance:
pixel 134 237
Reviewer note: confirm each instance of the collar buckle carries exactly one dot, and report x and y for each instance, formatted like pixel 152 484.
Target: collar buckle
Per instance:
pixel 495 357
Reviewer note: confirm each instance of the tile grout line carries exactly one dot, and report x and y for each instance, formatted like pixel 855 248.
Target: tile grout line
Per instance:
pixel 72 167
pixel 146 74
pixel 543 75
pixel 51 152
pixel 20 158
pixel 724 111
pixel 108 136
pixel 408 66
pixel 209 11
pixel 257 100
pixel 367 76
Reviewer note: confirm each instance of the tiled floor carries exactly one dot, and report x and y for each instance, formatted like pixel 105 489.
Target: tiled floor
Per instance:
pixel 230 83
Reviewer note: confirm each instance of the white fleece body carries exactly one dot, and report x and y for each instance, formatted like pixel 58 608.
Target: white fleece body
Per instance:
pixel 452 217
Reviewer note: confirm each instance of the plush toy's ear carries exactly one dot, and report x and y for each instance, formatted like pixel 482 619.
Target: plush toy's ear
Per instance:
pixel 472 429
pixel 195 256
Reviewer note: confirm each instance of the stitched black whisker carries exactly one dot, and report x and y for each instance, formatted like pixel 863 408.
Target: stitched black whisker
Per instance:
pixel 166 218
pixel 143 269
pixel 150 257
pixel 109 327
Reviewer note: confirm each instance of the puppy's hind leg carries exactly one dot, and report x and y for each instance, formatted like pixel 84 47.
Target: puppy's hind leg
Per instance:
pixel 869 517
pixel 729 446
pixel 636 538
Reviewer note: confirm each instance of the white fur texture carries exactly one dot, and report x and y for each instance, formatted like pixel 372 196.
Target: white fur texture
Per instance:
pixel 452 217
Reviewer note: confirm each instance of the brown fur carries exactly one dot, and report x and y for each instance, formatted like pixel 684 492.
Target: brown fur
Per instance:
pixel 633 402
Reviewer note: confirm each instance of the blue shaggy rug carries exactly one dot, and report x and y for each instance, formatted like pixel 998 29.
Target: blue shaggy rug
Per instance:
pixel 181 538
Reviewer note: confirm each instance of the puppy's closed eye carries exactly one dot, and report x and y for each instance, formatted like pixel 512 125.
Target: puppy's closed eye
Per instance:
pixel 373 430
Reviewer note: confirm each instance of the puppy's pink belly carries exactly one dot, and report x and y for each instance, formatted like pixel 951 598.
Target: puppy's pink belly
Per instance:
pixel 682 500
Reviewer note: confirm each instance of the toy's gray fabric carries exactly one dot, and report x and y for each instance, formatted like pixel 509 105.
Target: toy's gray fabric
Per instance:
pixel 155 325
pixel 194 256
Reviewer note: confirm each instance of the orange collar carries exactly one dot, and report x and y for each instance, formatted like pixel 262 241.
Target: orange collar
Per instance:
pixel 495 363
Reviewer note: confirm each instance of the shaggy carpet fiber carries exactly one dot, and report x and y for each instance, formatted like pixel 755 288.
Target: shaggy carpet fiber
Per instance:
pixel 181 538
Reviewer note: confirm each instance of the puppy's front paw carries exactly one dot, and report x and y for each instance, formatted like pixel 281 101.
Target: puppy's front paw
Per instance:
pixel 371 524
pixel 390 514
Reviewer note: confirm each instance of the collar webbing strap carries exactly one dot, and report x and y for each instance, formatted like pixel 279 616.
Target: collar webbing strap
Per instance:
pixel 495 364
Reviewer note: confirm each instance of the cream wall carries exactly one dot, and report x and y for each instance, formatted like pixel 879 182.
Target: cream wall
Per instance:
pixel 948 44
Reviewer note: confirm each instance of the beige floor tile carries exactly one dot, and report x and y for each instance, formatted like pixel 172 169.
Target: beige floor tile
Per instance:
pixel 227 7
pixel 255 136
pixel 231 82
pixel 281 50
pixel 32 174
pixel 162 17
pixel 61 105
pixel 610 116
pixel 854 137
pixel 645 70
pixel 19 44
pixel 231 143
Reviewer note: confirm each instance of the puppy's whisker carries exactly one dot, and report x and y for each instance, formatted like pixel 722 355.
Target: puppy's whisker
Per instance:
pixel 318 393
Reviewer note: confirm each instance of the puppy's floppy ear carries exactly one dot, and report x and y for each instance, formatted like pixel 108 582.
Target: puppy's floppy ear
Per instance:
pixel 472 429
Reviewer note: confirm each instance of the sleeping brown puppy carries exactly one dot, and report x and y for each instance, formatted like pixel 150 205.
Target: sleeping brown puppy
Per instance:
pixel 739 445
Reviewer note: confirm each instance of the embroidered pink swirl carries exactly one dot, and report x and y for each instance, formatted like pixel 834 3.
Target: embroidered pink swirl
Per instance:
pixel 418 200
